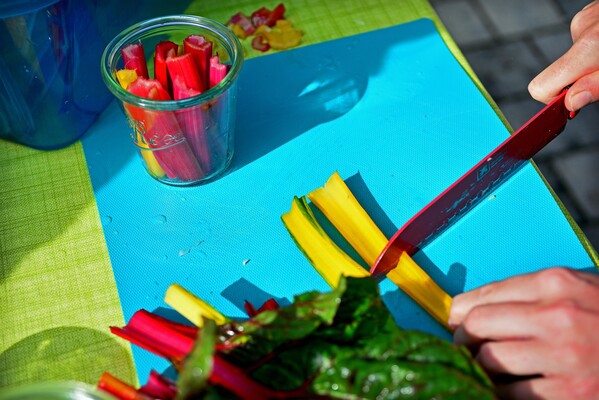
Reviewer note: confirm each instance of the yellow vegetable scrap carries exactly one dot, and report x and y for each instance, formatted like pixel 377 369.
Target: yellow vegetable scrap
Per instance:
pixel 282 36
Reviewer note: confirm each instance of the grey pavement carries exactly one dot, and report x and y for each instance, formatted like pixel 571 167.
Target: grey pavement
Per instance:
pixel 508 43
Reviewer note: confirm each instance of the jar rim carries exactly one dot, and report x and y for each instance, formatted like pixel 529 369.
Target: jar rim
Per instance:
pixel 129 35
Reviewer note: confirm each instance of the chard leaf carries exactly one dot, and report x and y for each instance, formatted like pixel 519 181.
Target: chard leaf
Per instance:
pixel 193 379
pixel 345 345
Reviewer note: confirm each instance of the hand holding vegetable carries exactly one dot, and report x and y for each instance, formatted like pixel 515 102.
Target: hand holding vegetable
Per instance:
pixel 539 328
pixel 580 65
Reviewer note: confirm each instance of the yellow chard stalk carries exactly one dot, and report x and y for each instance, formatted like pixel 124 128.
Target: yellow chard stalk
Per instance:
pixel 125 77
pixel 340 206
pixel 325 256
pixel 191 307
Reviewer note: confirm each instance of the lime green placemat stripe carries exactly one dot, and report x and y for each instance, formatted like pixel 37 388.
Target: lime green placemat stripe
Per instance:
pixel 57 291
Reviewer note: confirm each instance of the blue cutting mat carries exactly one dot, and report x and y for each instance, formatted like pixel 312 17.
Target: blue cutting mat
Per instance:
pixel 393 112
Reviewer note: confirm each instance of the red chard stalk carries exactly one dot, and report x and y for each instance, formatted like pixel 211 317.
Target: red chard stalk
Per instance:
pixel 134 58
pixel 201 50
pixel 160 70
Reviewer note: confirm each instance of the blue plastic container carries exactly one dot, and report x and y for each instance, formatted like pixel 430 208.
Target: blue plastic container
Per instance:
pixel 51 88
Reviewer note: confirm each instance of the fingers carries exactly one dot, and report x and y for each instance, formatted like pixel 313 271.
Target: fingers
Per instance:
pixel 580 60
pixel 550 388
pixel 584 19
pixel 516 357
pixel 542 286
pixel 500 321
pixel 584 92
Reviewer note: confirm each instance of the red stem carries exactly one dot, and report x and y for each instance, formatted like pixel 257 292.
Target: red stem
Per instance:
pixel 160 70
pixel 201 50
pixel 134 58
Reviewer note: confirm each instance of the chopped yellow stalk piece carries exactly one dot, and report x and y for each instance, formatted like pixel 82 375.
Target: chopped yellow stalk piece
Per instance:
pixel 416 283
pixel 125 78
pixel 325 256
pixel 191 307
pixel 339 205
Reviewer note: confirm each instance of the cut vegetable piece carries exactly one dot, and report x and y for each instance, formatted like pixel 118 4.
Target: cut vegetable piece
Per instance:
pixel 116 387
pixel 259 43
pixel 282 36
pixel 156 334
pixel 244 22
pixel 185 67
pixel 237 30
pixel 340 206
pixel 416 283
pixel 325 256
pixel 191 120
pixel 163 50
pixel 191 307
pixel 125 77
pixel 201 50
pixel 218 71
pixel 162 132
pixel 134 58
pixel 264 16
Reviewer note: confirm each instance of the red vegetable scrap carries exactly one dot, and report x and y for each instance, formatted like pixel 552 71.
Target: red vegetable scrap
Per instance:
pixel 270 304
pixel 282 36
pixel 164 49
pixel 135 59
pixel 264 16
pixel 260 43
pixel 243 22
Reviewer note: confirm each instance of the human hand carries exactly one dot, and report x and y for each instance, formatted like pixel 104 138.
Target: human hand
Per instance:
pixel 541 329
pixel 579 66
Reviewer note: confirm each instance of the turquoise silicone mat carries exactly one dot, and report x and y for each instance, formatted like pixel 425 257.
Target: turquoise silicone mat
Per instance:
pixel 393 112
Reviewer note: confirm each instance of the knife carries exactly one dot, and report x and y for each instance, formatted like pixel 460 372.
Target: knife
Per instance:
pixel 475 185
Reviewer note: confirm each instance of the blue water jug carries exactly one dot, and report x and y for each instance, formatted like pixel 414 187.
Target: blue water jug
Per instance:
pixel 51 89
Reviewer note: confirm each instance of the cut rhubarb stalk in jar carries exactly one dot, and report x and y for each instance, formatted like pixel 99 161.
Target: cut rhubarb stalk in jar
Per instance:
pixel 192 122
pixel 185 67
pixel 160 71
pixel 201 50
pixel 134 58
pixel 163 133
pixel 218 71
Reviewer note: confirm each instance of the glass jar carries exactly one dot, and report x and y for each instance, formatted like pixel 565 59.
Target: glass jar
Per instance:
pixel 190 140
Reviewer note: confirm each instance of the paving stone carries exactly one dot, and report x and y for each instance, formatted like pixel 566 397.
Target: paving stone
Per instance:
pixel 517 16
pixel 553 45
pixel 518 112
pixel 592 233
pixel 571 7
pixel 578 171
pixel 505 69
pixel 462 22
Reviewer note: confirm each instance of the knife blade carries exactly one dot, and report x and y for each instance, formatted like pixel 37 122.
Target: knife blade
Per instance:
pixel 475 185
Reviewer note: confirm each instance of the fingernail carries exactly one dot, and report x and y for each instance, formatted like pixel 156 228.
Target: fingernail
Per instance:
pixel 580 99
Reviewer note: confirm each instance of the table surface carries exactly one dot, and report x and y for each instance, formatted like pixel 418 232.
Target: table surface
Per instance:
pixel 57 290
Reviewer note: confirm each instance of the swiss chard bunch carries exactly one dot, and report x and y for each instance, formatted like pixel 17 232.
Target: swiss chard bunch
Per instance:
pixel 343 344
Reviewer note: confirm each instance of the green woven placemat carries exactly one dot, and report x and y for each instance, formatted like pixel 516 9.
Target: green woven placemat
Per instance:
pixel 57 291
